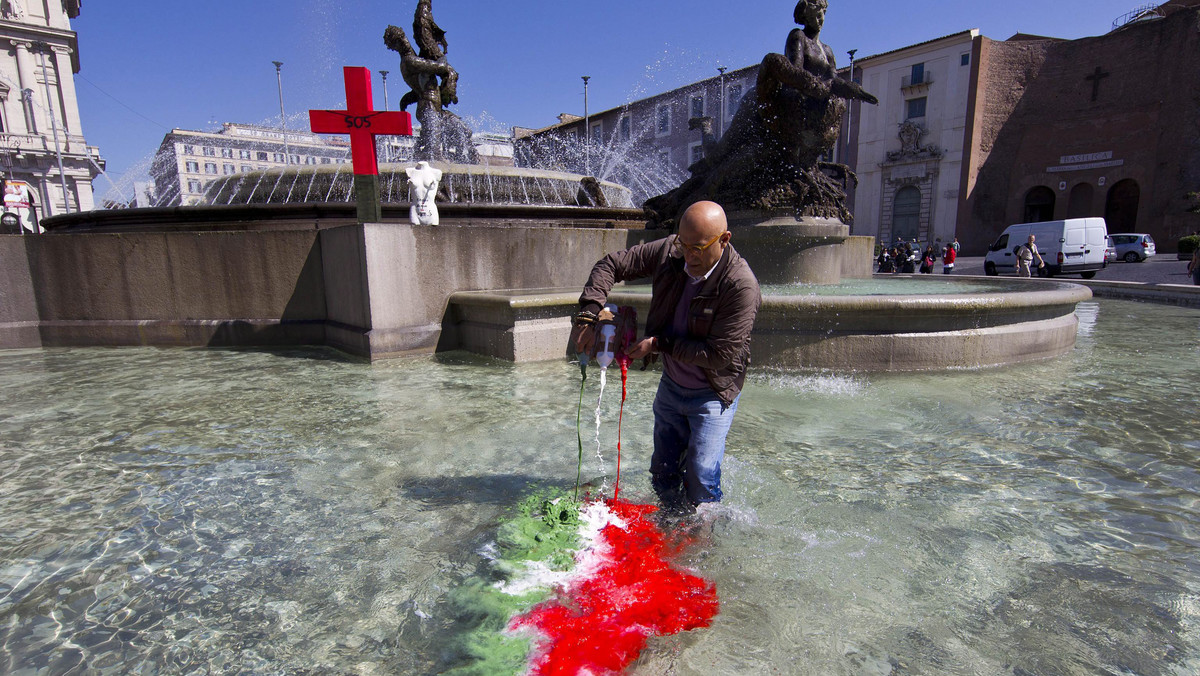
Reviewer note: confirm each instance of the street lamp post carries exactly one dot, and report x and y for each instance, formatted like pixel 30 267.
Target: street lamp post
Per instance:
pixel 849 111
pixel 386 146
pixel 287 153
pixel 62 175
pixel 721 101
pixel 587 129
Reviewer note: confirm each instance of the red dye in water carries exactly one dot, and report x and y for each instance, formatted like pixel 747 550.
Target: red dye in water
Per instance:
pixel 600 624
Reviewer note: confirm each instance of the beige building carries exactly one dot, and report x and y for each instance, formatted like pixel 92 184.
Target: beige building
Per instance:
pixel 188 160
pixel 910 146
pixel 41 138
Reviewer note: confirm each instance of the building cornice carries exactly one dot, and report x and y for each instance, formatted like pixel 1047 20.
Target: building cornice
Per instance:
pixel 59 41
pixel 953 38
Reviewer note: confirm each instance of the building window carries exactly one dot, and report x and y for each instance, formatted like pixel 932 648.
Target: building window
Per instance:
pixel 262 157
pixel 731 103
pixel 916 108
pixel 597 134
pixel 324 160
pixel 229 169
pixel 965 60
pixel 227 152
pixel 295 159
pixel 210 167
pixel 210 152
pixel 663 117
pixel 695 152
pixel 244 155
pixel 195 186
pixel 279 157
pixel 918 74
pixel 192 167
pixel 247 167
pixel 189 149
pixel 626 127
pixel 697 106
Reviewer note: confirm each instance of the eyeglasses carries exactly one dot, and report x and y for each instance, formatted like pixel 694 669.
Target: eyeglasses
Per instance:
pixel 680 247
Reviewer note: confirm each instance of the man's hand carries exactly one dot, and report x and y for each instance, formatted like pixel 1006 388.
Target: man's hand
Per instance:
pixel 582 338
pixel 640 349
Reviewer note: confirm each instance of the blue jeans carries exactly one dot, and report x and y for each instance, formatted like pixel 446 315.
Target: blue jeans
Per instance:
pixel 689 442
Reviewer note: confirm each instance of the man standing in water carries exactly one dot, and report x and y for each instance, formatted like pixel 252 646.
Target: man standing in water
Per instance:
pixel 704 301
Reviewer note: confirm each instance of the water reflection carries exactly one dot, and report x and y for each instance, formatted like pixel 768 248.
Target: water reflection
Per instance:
pixel 173 511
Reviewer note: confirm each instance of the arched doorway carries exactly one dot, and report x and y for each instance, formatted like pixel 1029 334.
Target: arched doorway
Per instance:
pixel 1039 205
pixel 1121 207
pixel 906 213
pixel 1079 204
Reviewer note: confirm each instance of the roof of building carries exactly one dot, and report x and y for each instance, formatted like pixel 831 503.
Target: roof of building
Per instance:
pixel 565 119
pixel 971 33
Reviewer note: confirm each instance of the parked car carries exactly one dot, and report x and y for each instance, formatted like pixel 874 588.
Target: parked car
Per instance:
pixel 1110 251
pixel 1073 246
pixel 1133 247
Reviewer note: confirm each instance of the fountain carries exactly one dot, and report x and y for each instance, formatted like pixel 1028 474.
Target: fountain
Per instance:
pixel 248 270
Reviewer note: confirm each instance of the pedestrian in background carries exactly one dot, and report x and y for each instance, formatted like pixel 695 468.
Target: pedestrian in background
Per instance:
pixel 1025 255
pixel 948 257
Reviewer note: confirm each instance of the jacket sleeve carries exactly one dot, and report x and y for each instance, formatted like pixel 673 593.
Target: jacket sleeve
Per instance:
pixel 636 262
pixel 730 332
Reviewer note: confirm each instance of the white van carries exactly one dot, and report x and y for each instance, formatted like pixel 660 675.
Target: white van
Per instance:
pixel 1075 245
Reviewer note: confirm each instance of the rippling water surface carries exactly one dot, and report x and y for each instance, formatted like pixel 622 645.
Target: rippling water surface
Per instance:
pixel 207 511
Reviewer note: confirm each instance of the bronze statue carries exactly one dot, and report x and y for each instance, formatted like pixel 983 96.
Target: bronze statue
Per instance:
pixel 769 159
pixel 434 84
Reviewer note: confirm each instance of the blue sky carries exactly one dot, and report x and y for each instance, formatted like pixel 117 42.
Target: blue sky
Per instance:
pixel 149 66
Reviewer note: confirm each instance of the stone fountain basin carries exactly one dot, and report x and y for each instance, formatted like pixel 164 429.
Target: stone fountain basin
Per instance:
pixel 1018 321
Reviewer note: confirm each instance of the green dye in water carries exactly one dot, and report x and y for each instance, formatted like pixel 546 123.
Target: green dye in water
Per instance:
pixel 545 528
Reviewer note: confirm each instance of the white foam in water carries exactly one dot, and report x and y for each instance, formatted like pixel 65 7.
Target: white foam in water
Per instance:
pixel 824 383
pixel 594 517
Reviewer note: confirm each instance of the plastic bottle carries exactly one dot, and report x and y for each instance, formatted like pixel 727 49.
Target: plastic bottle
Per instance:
pixel 606 341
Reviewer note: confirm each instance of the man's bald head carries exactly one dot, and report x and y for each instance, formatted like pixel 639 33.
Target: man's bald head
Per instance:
pixel 704 220
pixel 703 225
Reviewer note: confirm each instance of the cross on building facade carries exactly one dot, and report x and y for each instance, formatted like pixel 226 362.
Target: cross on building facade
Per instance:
pixel 363 124
pixel 1095 78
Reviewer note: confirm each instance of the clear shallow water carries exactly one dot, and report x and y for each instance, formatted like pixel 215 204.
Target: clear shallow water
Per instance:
pixel 202 511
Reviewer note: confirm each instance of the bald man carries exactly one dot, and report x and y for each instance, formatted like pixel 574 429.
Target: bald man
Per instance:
pixel 702 309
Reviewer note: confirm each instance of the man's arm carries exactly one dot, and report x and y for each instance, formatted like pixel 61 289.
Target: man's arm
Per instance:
pixel 632 263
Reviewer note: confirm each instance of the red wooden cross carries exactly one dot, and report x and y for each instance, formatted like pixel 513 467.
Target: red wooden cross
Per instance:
pixel 361 122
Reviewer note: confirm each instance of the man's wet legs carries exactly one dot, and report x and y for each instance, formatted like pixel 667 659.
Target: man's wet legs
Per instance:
pixel 690 427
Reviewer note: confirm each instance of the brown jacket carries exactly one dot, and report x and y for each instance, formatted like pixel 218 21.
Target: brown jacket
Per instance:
pixel 719 321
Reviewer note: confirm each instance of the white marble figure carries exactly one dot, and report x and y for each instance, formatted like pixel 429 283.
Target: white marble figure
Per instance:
pixel 422 188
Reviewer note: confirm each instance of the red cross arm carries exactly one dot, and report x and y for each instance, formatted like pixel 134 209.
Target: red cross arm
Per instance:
pixel 360 122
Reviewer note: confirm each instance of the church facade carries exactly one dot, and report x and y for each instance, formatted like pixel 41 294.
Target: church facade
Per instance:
pixel 1101 126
